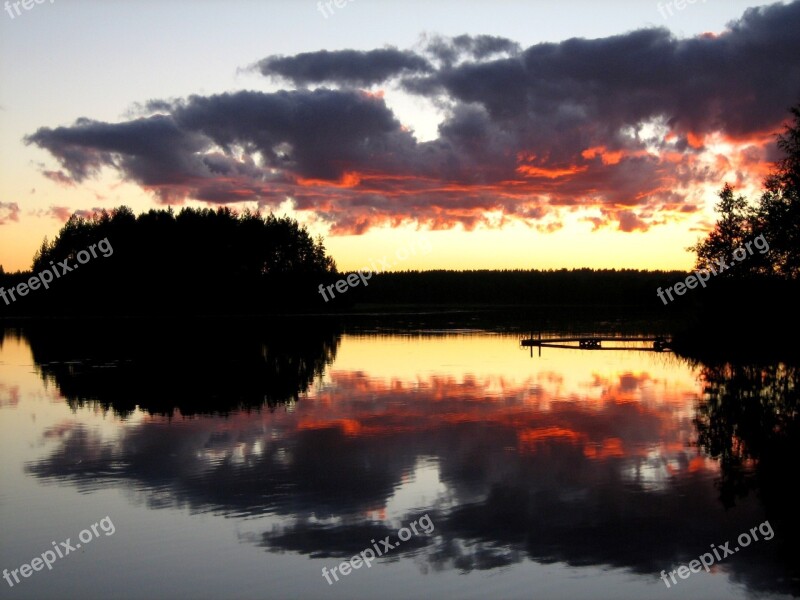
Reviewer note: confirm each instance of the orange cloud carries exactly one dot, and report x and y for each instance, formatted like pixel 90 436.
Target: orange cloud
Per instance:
pixel 608 157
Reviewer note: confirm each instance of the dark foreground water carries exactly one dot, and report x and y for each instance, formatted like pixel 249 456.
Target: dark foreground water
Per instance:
pixel 239 465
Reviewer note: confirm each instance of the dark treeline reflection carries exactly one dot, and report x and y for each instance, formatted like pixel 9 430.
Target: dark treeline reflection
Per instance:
pixel 749 420
pixel 192 366
pixel 520 483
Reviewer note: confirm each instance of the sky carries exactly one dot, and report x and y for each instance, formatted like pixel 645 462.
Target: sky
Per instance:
pixel 502 135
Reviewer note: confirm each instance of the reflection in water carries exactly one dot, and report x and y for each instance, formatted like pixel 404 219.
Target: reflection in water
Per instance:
pixel 579 458
pixel 749 420
pixel 190 366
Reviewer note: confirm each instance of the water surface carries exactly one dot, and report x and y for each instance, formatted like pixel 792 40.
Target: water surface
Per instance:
pixel 238 465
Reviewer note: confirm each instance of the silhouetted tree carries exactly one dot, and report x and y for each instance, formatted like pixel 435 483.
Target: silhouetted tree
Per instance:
pixel 776 216
pixel 206 261
pixel 733 228
pixel 778 212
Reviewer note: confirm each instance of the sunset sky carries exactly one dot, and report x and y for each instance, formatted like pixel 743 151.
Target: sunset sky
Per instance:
pixel 514 134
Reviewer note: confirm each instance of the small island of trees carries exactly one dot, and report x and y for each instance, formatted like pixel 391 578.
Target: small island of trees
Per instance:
pixel 198 261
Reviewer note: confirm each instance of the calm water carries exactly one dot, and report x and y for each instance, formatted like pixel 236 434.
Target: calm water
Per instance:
pixel 239 465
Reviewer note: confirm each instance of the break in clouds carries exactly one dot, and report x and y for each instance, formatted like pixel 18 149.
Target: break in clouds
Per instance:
pixel 625 129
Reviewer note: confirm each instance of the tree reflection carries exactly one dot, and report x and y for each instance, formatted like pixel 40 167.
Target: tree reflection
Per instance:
pixel 748 419
pixel 194 367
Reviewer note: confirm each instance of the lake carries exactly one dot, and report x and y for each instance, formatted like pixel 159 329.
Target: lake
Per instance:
pixel 201 461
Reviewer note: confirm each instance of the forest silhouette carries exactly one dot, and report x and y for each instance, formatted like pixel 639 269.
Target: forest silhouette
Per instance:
pixel 198 261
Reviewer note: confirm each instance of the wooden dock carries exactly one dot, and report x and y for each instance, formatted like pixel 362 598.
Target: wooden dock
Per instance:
pixel 658 343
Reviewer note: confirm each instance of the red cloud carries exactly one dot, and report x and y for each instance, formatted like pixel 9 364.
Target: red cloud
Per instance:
pixel 9 211
pixel 59 177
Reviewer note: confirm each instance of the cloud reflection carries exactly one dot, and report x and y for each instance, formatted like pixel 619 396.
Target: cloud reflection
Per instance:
pixel 578 468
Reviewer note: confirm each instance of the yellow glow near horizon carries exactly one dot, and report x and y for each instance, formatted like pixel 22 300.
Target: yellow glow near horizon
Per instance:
pixel 499 357
pixel 515 246
pixel 518 247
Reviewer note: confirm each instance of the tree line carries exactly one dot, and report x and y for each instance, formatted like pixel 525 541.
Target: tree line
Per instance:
pixel 198 261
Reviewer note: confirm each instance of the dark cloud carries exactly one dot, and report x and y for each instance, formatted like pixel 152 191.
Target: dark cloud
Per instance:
pixel 152 151
pixel 309 133
pixel 347 67
pixel 450 50
pixel 206 147
pixel 741 81
pixel 624 126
